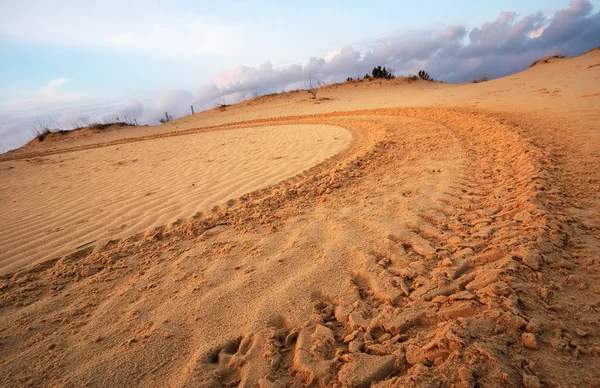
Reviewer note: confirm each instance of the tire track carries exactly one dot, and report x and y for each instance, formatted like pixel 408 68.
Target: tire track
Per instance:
pixel 441 302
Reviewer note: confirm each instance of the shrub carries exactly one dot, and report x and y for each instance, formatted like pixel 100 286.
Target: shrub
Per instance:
pixel 424 75
pixel 381 72
pixel 222 106
pixel 166 119
pixel 547 59
pixel 107 121
pixel 311 85
pixel 41 133
pixel 481 79
pixel 349 79
pixel 42 130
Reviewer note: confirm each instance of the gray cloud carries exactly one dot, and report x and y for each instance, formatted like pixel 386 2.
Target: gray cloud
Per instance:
pixel 19 127
pixel 497 48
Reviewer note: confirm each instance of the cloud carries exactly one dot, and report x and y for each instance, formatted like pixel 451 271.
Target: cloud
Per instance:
pixel 454 54
pixel 46 99
pixel 503 46
pixel 52 85
pixel 51 106
pixel 132 26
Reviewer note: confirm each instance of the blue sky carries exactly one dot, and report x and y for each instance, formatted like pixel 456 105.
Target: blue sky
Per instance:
pixel 281 32
pixel 81 57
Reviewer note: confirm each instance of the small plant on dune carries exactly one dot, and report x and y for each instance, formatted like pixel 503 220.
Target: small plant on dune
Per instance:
pixel 311 85
pixel 41 134
pixel 424 75
pixel 82 122
pixel 126 120
pixel 42 130
pixel 165 119
pixel 382 72
pixel 481 79
pixel 222 106
pixel 558 55
pixel 130 120
pixel 349 79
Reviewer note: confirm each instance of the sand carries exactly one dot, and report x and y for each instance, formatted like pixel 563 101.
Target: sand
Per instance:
pixel 453 242
pixel 62 201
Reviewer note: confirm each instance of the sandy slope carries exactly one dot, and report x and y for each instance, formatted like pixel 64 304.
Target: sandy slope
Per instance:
pixel 56 203
pixel 454 242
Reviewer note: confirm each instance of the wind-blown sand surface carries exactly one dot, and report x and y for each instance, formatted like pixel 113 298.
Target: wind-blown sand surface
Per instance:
pixel 60 202
pixel 454 242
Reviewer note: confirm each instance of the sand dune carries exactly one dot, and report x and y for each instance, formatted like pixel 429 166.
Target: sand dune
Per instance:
pixel 453 242
pixel 60 202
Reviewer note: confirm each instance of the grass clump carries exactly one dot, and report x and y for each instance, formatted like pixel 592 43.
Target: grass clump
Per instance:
pixel 222 106
pixel 481 79
pixel 42 130
pixel 424 75
pixel 547 59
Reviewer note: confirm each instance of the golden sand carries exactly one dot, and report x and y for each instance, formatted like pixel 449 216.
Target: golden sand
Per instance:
pixel 453 242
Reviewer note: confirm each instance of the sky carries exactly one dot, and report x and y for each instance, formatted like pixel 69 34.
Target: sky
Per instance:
pixel 68 60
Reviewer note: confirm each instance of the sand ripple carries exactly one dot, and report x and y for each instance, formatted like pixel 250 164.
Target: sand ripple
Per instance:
pixel 116 191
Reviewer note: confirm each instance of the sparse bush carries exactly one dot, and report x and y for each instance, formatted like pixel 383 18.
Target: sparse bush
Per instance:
pixel 222 106
pixel 558 55
pixel 382 72
pixel 349 79
pixel 42 130
pixel 424 75
pixel 107 121
pixel 481 79
pixel 41 133
pixel 165 119
pixel 311 85
pixel 129 120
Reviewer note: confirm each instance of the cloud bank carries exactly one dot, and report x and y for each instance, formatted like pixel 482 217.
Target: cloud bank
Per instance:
pixel 498 48
pixel 455 54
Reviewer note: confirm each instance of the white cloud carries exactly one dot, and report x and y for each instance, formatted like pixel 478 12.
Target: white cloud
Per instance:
pixel 496 48
pixel 332 54
pixel 139 26
pixel 48 98
pixel 53 107
pixel 536 33
pixel 52 85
